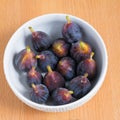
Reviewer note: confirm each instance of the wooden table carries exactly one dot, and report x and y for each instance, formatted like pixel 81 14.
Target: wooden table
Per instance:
pixel 104 15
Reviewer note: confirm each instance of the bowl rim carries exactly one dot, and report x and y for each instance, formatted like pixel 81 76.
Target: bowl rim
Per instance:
pixel 82 100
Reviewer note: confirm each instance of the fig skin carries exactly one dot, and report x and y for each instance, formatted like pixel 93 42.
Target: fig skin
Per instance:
pixel 80 86
pixel 40 40
pixel 62 96
pixel 39 94
pixel 87 66
pixel 80 51
pixel 46 58
pixel 34 77
pixel 66 66
pixel 71 31
pixel 53 80
pixel 60 47
pixel 25 60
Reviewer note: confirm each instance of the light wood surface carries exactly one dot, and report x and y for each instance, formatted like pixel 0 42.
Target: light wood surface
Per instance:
pixel 104 15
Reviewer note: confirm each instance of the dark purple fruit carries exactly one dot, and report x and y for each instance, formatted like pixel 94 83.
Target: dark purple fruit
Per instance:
pixel 25 60
pixel 41 40
pixel 39 93
pixel 53 79
pixel 46 58
pixel 62 96
pixel 34 77
pixel 66 67
pixel 80 51
pixel 80 86
pixel 60 47
pixel 87 66
pixel 71 31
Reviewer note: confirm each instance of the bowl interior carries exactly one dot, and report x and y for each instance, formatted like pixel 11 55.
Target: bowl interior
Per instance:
pixel 51 24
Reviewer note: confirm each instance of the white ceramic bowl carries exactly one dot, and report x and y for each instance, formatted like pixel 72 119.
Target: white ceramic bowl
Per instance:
pixel 52 24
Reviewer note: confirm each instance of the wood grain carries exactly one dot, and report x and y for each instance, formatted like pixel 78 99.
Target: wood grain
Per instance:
pixel 104 15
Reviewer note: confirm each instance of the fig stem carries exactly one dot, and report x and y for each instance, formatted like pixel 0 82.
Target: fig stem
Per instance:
pixel 40 57
pixel 83 45
pixel 68 19
pixel 28 49
pixel 91 55
pixel 37 56
pixel 49 68
pixel 34 87
pixel 31 29
pixel 60 62
pixel 86 75
pixel 71 92
pixel 58 47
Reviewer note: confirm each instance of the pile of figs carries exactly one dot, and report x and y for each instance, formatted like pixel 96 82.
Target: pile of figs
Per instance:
pixel 67 63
